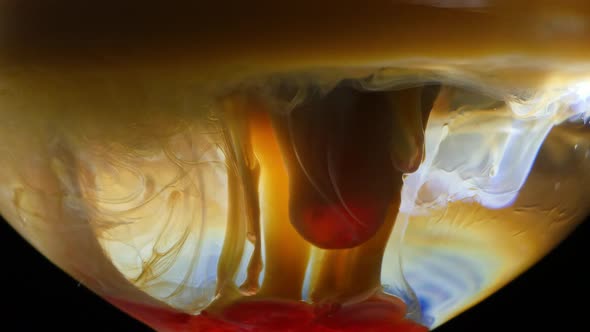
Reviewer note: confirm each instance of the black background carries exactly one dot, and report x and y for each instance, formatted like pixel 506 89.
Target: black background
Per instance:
pixel 553 295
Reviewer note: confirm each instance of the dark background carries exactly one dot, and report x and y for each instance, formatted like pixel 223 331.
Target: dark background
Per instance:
pixel 553 295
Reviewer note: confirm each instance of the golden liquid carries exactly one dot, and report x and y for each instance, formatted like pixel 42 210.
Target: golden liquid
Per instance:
pixel 154 210
pixel 155 174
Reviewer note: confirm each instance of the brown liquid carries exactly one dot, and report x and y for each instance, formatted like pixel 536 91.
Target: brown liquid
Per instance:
pixel 328 174
pixel 345 155
pixel 295 182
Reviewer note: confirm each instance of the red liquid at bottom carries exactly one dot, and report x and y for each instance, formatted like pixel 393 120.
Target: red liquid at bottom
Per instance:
pixel 377 314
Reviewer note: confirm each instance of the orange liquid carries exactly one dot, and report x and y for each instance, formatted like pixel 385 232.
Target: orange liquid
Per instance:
pixel 314 197
pixel 346 204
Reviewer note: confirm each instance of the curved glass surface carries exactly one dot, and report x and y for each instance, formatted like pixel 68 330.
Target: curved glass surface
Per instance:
pixel 311 195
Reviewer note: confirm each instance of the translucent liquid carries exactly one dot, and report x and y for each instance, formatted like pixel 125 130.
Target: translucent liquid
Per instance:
pixel 179 204
pixel 344 206
pixel 325 165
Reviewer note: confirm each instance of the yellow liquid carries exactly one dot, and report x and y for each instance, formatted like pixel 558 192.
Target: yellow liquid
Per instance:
pixel 136 171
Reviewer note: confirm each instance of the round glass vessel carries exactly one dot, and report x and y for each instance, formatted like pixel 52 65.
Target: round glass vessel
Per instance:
pixel 355 167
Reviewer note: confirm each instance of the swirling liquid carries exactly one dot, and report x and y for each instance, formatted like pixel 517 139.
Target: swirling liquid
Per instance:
pixel 371 188
pixel 266 208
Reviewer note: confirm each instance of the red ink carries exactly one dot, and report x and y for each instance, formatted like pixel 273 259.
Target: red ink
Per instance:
pixel 373 315
pixel 340 225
